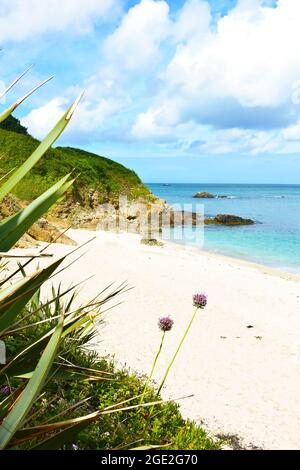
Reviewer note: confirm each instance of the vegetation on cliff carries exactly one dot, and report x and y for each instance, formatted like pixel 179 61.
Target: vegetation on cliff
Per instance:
pixel 13 125
pixel 96 176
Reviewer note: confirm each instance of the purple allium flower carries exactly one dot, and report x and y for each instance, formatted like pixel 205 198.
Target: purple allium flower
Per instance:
pixel 165 323
pixel 5 390
pixel 200 300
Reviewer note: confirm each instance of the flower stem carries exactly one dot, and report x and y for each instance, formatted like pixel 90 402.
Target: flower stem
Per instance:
pixel 177 351
pixel 153 366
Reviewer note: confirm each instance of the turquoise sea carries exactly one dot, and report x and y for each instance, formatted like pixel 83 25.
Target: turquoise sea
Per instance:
pixel 275 239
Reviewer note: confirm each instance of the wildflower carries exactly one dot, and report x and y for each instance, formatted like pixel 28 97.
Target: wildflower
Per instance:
pixel 165 323
pixel 5 390
pixel 200 300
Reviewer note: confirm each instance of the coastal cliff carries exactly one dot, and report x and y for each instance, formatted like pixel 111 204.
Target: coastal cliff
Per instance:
pixel 98 179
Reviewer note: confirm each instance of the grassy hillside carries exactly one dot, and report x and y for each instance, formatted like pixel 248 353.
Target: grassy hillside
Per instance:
pixel 95 174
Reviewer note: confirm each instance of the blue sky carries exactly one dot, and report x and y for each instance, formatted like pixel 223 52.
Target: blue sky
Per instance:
pixel 178 90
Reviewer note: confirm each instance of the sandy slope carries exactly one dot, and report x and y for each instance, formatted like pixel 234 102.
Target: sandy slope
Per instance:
pixel 245 381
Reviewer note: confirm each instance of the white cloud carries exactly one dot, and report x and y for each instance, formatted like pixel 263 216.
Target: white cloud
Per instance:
pixel 241 142
pixel 192 21
pixel 292 133
pixel 155 122
pixel 40 120
pixel 91 116
pixel 20 20
pixel 239 73
pixel 136 42
pixel 229 85
pixel 102 99
pixel 88 118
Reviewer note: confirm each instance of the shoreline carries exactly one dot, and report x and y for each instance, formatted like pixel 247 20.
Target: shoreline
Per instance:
pixel 266 269
pixel 242 357
pixel 289 271
pixel 276 271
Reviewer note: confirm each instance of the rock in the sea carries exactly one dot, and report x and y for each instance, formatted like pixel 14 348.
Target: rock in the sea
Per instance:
pixel 204 195
pixel 228 219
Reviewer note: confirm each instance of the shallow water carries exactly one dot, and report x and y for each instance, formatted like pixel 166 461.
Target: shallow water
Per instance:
pixel 273 241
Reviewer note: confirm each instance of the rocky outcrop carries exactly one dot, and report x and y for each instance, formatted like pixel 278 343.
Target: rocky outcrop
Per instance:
pixel 26 242
pixel 228 219
pixel 43 230
pixel 145 218
pixel 10 205
pixel 151 242
pixel 191 218
pixel 204 195
pixel 122 215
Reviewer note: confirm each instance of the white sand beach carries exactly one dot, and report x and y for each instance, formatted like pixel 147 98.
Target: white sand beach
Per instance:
pixel 244 381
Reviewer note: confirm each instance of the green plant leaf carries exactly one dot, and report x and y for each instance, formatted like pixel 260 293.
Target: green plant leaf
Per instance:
pixel 12 228
pixel 13 107
pixel 150 447
pixel 25 360
pixel 26 434
pixel 36 431
pixel 15 418
pixel 13 303
pixel 61 438
pixel 14 82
